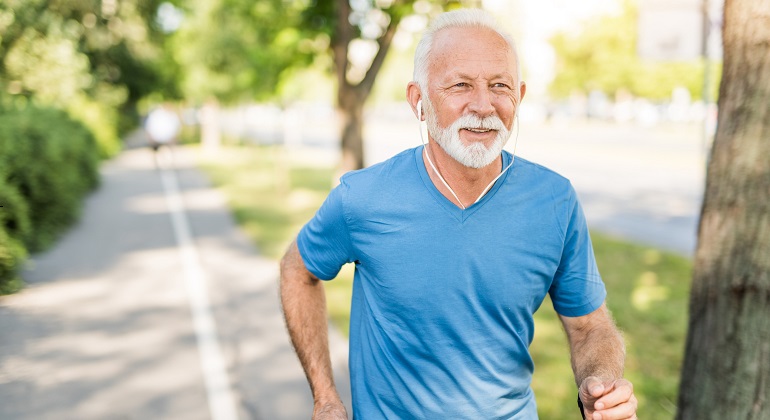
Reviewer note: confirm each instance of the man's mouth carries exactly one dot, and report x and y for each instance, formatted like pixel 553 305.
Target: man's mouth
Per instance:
pixel 478 130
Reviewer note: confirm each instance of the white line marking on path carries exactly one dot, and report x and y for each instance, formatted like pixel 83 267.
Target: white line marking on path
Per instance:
pixel 218 390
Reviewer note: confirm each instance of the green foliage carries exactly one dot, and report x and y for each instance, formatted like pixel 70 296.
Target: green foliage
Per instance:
pixel 101 120
pixel 321 16
pixel 239 50
pixel 236 50
pixel 48 163
pixel 14 227
pixel 602 56
pixel 103 56
pixel 12 255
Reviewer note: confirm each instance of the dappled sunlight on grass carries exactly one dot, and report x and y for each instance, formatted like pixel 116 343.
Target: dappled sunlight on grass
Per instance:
pixel 648 289
pixel 654 331
pixel 271 197
pixel 552 382
pixel 648 292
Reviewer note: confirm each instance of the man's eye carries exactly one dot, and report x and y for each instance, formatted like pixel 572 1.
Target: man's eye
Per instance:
pixel 461 84
pixel 500 85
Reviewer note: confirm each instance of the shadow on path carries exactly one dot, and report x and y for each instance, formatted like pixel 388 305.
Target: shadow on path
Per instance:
pixel 103 329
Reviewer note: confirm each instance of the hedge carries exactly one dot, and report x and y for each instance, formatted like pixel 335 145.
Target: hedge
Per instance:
pixel 48 163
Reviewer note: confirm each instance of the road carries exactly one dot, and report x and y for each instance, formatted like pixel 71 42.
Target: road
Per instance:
pixel 155 306
pixel 639 183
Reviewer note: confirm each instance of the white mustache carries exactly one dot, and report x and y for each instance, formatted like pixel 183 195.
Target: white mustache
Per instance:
pixel 491 122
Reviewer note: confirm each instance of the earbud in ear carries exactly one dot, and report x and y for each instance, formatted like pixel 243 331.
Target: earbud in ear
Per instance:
pixel 419 110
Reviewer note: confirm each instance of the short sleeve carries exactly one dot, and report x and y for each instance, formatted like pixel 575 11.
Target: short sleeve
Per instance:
pixel 577 288
pixel 324 242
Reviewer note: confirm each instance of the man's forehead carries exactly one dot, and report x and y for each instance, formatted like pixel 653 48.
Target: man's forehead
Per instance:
pixel 455 38
pixel 465 51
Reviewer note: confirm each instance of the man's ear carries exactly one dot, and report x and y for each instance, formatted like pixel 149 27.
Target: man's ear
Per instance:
pixel 522 91
pixel 414 97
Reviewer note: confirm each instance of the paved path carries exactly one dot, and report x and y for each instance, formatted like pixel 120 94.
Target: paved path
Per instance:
pixel 105 329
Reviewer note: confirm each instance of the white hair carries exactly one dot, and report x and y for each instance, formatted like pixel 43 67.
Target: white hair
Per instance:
pixel 461 18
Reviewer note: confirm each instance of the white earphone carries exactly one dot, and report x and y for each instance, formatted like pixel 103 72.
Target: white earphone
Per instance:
pixel 419 109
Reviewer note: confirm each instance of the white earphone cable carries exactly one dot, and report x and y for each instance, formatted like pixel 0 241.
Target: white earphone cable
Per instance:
pixel 427 156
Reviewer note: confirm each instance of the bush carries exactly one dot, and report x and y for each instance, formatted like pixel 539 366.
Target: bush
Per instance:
pixel 48 162
pixel 12 255
pixel 102 120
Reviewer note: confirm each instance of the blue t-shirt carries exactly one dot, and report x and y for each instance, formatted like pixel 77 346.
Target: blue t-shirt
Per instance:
pixel 441 316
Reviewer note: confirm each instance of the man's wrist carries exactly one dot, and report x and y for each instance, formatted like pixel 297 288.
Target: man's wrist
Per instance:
pixel 327 396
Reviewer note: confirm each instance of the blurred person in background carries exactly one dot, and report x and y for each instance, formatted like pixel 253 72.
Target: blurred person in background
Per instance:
pixel 456 244
pixel 162 126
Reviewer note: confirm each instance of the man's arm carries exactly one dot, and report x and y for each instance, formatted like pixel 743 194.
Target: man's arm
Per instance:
pixel 598 357
pixel 304 309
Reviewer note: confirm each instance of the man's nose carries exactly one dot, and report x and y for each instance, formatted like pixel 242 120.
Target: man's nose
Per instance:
pixel 481 102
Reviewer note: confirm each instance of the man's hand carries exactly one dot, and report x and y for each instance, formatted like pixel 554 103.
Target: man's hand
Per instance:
pixel 607 400
pixel 329 411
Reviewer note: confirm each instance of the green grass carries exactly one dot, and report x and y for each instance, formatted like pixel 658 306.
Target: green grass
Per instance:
pixel 273 196
pixel 270 196
pixel 648 292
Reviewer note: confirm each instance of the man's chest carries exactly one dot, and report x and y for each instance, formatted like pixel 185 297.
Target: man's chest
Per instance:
pixel 432 265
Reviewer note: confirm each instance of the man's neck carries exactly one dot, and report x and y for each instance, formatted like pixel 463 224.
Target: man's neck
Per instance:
pixel 466 182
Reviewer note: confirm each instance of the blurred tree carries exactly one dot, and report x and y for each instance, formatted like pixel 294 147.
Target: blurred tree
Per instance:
pixel 353 28
pixel 726 372
pixel 234 51
pixel 95 58
pixel 602 56
pixel 370 25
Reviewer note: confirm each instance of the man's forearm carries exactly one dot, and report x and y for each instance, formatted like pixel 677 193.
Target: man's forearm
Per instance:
pixel 598 358
pixel 602 354
pixel 597 347
pixel 304 308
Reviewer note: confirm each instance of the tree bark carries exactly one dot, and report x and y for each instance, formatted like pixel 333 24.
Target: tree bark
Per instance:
pixel 351 107
pixel 351 97
pixel 726 372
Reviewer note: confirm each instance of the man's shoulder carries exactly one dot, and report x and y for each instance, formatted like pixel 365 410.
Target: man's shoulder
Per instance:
pixel 540 172
pixel 383 172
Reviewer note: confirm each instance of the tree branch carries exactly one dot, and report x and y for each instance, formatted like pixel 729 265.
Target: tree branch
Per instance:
pixel 341 42
pixel 383 44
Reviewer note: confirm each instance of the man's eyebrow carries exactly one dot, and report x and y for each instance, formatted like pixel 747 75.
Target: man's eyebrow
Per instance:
pixel 465 76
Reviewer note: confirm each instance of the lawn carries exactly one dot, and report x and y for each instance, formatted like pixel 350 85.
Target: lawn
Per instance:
pixel 273 195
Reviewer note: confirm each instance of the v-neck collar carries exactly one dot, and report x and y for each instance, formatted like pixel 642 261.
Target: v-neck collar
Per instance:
pixel 453 209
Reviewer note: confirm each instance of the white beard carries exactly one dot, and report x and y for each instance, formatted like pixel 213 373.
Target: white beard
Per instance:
pixel 475 155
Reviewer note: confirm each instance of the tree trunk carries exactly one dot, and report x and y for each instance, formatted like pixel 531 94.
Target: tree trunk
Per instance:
pixel 352 118
pixel 351 97
pixel 726 372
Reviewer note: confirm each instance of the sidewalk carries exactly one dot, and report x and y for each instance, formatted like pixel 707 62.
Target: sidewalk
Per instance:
pixel 105 328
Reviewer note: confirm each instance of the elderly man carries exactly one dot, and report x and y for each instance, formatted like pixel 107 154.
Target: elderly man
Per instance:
pixel 456 244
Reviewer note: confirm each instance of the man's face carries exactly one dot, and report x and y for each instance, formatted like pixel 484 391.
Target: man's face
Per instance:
pixel 472 94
